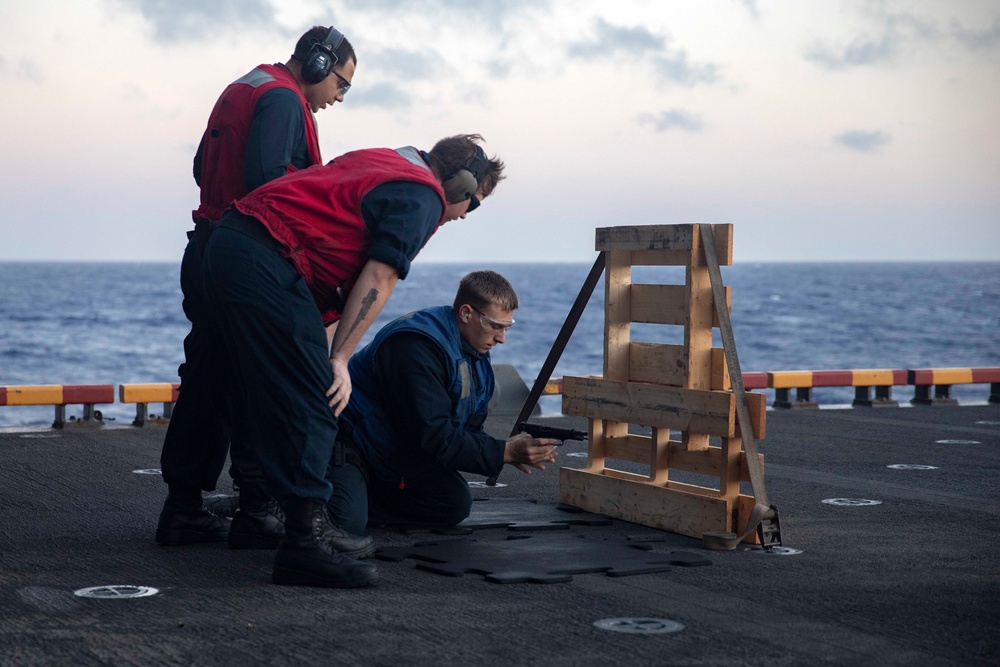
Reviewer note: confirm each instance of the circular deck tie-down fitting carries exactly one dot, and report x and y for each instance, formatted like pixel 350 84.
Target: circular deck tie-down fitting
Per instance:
pixel 639 625
pixel 116 592
pixel 851 502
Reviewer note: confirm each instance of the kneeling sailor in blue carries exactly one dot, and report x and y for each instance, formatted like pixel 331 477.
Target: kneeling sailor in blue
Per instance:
pixel 421 391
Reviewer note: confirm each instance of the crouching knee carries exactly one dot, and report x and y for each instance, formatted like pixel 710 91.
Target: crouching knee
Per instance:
pixel 458 509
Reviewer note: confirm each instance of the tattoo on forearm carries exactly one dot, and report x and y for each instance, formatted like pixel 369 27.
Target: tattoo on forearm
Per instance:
pixel 366 305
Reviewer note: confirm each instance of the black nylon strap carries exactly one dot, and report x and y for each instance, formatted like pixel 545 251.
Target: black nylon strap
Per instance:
pixel 558 346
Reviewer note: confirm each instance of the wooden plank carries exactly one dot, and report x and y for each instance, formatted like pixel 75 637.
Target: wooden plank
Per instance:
pixel 596 449
pixel 629 447
pixel 660 456
pixel 700 309
pixel 659 304
pixel 658 363
pixel 661 257
pixel 729 468
pixel 617 314
pixel 706 462
pixel 676 239
pixel 709 412
pixel 654 506
pixel 666 304
pixel 645 237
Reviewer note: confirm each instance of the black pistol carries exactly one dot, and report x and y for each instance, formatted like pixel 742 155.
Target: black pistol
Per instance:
pixel 561 434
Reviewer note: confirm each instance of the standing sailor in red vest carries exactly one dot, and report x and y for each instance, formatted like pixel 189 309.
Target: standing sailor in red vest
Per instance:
pixel 322 245
pixel 262 128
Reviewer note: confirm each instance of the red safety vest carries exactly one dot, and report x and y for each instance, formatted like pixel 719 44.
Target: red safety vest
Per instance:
pixel 316 214
pixel 225 144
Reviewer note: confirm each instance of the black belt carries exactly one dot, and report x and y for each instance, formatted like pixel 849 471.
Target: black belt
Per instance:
pixel 252 227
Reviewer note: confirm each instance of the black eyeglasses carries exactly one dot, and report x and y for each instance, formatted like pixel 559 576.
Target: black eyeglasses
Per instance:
pixel 473 204
pixel 345 85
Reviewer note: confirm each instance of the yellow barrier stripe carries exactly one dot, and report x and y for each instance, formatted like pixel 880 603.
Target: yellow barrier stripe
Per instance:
pixel 952 375
pixel 160 392
pixel 789 379
pixel 42 394
pixel 873 377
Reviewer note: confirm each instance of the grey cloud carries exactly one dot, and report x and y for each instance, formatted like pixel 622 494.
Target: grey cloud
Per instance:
pixel 177 21
pixel 676 68
pixel 500 69
pixel 860 52
pixel 977 40
pixel 614 40
pixel 672 119
pixel 418 65
pixel 25 70
pixel 751 7
pixel 670 64
pixel 384 95
pixel 894 33
pixel 863 141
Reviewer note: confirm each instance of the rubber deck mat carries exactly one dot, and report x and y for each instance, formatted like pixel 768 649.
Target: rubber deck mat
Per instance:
pixel 516 514
pixel 538 559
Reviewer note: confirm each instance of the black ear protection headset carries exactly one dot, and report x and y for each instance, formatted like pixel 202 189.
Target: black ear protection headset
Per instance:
pixel 322 56
pixel 463 184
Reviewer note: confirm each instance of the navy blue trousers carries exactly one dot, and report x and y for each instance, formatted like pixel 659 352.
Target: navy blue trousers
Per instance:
pixel 431 496
pixel 197 439
pixel 273 349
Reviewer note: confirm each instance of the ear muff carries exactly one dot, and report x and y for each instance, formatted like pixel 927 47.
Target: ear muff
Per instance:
pixel 322 56
pixel 463 183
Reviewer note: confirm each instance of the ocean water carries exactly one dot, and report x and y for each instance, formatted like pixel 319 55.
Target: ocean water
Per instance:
pixel 95 323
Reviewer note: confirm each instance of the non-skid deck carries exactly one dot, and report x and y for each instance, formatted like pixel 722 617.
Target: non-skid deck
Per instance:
pixel 911 580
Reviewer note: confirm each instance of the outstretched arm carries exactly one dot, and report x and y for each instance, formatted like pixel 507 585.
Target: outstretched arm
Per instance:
pixel 367 298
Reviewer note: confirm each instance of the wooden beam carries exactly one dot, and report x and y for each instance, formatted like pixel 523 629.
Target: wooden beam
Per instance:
pixel 646 404
pixel 654 506
pixel 617 314
pixel 710 412
pixel 675 238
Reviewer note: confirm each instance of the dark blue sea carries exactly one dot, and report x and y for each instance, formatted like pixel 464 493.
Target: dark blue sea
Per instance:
pixel 95 323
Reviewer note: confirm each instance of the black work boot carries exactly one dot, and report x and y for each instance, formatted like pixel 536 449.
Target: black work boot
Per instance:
pixel 184 520
pixel 307 555
pixel 258 523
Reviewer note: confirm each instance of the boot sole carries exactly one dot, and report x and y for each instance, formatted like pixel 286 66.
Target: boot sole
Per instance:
pixel 288 577
pixel 360 554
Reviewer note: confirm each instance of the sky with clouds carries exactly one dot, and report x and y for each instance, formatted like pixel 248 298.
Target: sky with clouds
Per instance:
pixel 823 130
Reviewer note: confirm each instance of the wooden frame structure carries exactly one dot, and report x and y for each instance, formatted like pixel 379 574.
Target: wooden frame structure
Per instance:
pixel 683 387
